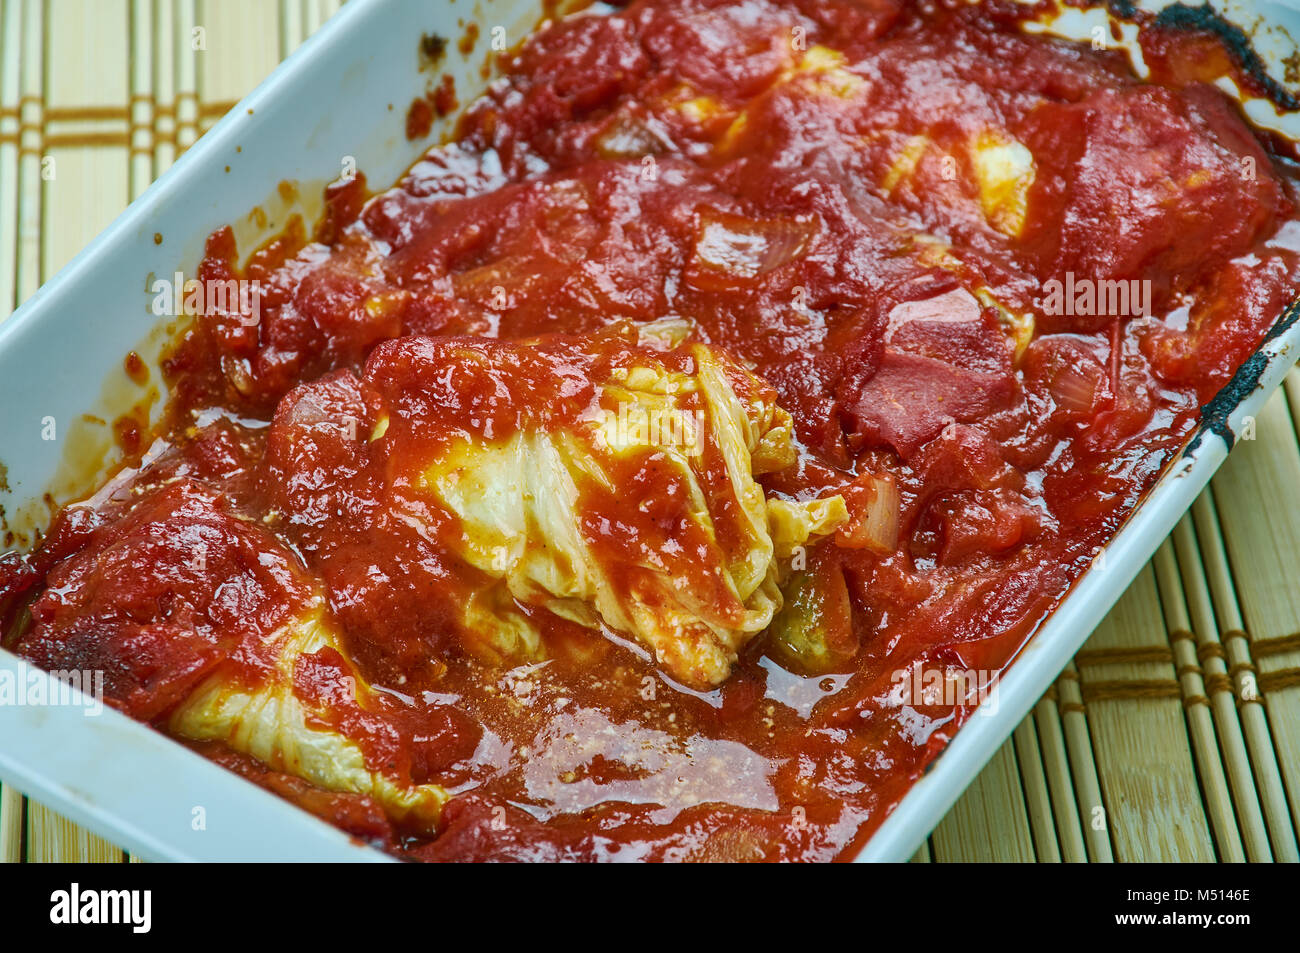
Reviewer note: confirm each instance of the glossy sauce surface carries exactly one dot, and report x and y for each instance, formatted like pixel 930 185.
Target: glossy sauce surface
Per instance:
pixel 862 201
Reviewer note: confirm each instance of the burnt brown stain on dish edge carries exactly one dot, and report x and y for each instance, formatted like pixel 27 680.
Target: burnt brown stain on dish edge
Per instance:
pixel 436 102
pixel 432 48
pixel 1248 67
pixel 1204 19
pixel 1246 380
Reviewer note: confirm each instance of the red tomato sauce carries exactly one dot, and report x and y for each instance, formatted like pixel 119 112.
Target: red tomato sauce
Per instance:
pixel 835 193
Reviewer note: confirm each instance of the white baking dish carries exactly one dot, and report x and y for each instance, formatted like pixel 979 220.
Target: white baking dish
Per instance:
pixel 330 101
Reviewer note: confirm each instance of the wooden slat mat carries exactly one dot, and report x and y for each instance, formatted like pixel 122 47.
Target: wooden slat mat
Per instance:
pixel 1174 734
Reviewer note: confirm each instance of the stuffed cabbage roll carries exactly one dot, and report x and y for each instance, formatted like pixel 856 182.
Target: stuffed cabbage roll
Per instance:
pixel 202 622
pixel 608 480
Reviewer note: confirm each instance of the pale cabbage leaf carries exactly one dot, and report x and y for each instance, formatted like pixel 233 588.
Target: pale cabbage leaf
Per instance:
pixel 270 722
pixel 520 501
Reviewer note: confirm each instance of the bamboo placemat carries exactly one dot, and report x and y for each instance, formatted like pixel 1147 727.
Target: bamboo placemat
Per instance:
pixel 1173 735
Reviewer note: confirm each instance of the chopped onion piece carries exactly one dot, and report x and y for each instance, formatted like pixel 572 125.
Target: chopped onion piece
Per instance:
pixel 1075 386
pixel 874 525
pixel 749 248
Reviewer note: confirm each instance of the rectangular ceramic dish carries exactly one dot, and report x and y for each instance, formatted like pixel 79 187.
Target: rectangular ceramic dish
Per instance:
pixel 327 106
